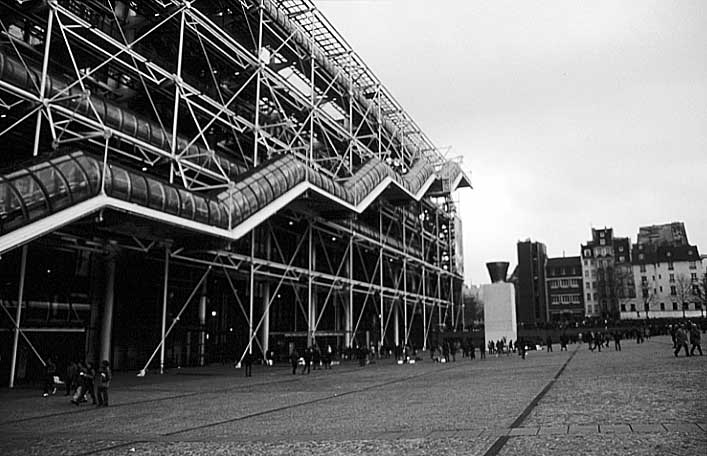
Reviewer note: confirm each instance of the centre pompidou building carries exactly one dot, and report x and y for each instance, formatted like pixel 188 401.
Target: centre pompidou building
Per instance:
pixel 183 182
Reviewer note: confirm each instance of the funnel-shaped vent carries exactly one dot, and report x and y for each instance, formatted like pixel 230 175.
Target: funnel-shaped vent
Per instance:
pixel 498 270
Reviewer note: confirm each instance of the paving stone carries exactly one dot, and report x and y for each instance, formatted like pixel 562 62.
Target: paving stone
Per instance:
pixel 523 431
pixel 614 428
pixel 441 434
pixel 583 429
pixel 647 428
pixel 545 430
pixel 682 427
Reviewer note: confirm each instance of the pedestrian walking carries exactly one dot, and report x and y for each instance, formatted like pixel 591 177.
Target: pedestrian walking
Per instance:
pixel 681 340
pixel 248 364
pixel 617 341
pixel 522 348
pixel 482 351
pixel 695 337
pixel 104 377
pixel 548 342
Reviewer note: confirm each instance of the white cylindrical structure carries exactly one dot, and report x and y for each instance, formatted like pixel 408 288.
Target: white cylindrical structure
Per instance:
pixel 108 301
pixel 18 316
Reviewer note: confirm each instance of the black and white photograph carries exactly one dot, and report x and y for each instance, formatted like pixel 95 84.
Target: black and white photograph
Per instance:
pixel 353 227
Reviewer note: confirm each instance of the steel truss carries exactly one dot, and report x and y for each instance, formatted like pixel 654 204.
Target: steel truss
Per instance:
pixel 201 93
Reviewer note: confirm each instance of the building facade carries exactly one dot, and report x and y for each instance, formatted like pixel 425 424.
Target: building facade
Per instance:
pixel 668 274
pixel 565 290
pixel 607 273
pixel 531 303
pixel 198 182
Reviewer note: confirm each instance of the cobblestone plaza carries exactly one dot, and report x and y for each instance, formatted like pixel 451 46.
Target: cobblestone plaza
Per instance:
pixel 641 400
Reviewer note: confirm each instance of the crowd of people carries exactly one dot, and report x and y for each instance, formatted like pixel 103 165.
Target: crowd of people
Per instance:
pixel 81 380
pixel 312 358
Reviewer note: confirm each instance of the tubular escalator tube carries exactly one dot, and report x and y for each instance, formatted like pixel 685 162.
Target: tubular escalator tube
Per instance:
pixel 138 190
pixel 172 200
pixel 214 214
pixel 16 213
pixel 89 171
pixel 201 209
pixel 112 115
pixel 157 194
pixel 187 209
pixel 278 181
pixel 264 179
pixel 120 183
pixel 249 197
pixel 256 186
pixel 237 207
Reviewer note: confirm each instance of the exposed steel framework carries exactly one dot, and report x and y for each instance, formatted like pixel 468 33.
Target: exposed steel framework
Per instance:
pixel 245 139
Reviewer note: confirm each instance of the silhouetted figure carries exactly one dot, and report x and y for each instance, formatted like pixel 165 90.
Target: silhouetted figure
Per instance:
pixel 248 364
pixel 695 339
pixel 104 377
pixel 307 360
pixel 681 340
pixel 617 341
pixel 294 360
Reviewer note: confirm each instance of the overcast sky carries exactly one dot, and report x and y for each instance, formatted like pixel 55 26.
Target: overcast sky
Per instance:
pixel 569 114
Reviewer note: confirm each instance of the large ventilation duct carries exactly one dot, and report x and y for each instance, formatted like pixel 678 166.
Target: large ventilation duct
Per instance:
pixel 113 116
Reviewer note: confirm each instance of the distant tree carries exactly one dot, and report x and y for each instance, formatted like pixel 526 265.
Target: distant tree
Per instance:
pixel 621 286
pixel 473 309
pixel 647 298
pixel 700 292
pixel 683 291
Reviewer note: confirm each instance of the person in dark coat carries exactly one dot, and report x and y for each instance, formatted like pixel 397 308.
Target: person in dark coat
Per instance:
pixel 695 339
pixel 617 341
pixel 294 359
pixel 307 360
pixel 248 364
pixel 103 382
pixel 71 377
pixel 316 357
pixel 326 357
pixel 86 376
pixel 681 340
